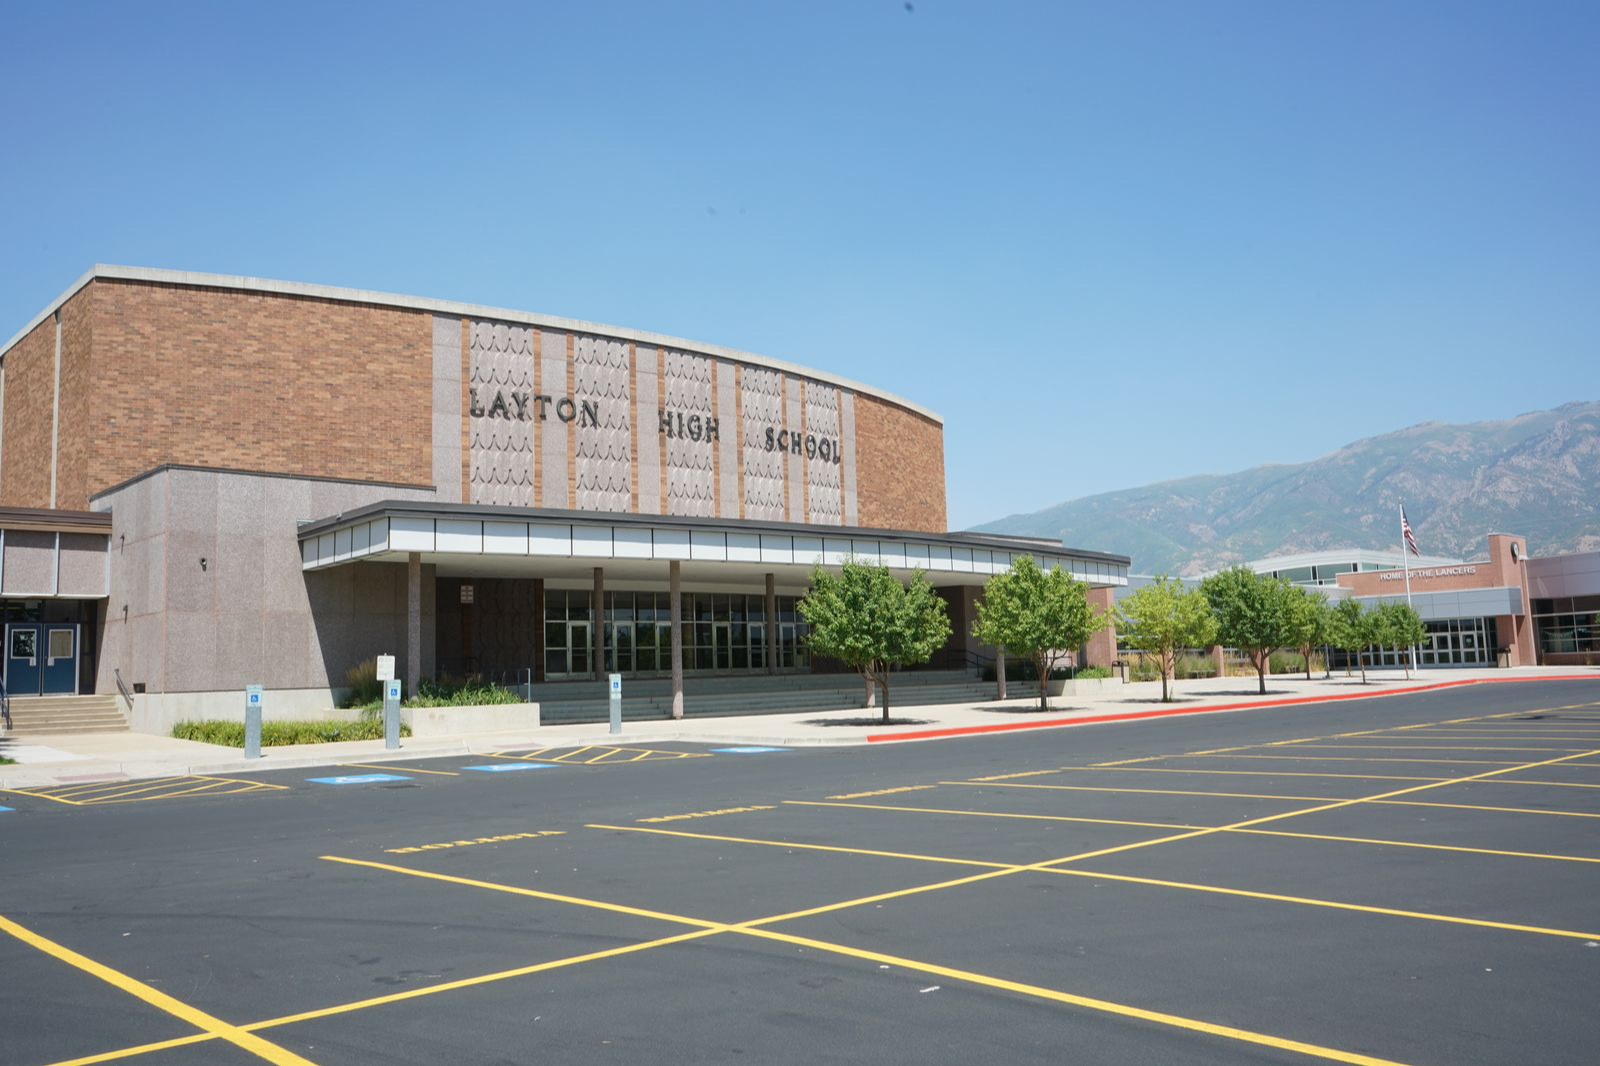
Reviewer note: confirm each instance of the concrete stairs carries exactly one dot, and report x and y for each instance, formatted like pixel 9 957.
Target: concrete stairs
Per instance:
pixel 38 715
pixel 651 698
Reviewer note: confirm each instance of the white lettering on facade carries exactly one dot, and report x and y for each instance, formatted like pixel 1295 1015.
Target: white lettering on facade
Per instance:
pixel 1441 571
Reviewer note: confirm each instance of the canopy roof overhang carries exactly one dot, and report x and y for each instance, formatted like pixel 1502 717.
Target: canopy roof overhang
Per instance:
pixel 474 540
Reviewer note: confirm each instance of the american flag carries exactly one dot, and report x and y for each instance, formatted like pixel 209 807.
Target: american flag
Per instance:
pixel 1405 531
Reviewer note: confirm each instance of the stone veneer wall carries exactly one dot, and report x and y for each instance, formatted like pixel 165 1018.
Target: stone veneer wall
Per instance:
pixel 193 633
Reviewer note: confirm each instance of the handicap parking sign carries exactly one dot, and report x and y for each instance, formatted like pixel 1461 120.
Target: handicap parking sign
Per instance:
pixel 252 695
pixel 394 689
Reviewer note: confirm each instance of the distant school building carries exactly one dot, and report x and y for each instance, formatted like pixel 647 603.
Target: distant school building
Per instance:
pixel 211 481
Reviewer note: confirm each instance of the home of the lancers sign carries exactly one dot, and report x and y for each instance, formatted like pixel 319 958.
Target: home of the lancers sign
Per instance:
pixel 538 501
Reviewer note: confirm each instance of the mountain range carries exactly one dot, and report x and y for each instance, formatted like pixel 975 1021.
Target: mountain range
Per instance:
pixel 1537 474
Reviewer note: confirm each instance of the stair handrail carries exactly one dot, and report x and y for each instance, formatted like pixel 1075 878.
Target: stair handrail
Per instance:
pixel 122 687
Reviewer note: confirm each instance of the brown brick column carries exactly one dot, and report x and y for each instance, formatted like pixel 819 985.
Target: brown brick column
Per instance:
pixel 1102 647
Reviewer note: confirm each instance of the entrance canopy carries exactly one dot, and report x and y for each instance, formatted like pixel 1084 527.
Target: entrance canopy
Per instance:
pixel 468 540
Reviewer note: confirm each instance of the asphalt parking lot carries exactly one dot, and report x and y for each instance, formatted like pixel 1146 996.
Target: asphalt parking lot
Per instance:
pixel 1408 879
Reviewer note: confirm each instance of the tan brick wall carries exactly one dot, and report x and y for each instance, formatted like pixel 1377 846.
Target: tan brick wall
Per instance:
pixel 30 385
pixel 77 436
pixel 899 467
pixel 256 381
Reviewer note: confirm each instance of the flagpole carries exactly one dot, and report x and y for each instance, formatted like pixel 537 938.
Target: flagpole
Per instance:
pixel 1405 561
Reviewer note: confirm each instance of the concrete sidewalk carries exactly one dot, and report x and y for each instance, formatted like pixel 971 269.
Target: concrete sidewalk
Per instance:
pixel 70 759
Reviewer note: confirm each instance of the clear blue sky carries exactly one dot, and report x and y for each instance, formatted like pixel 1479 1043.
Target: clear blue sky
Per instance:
pixel 1111 243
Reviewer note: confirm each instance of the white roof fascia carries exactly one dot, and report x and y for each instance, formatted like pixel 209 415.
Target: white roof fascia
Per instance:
pixel 453 307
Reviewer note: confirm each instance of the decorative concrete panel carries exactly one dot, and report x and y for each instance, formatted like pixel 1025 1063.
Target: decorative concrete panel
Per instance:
pixel 727 442
pixel 691 465
pixel 447 406
pixel 648 386
pixel 847 445
pixel 794 463
pixel 82 570
pixel 602 461
pixel 761 394
pixel 824 483
pixel 30 562
pixel 502 414
pixel 552 431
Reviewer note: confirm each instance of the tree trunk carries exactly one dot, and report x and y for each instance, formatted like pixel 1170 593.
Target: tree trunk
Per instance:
pixel 871 691
pixel 1042 665
pixel 1165 698
pixel 885 683
pixel 1361 661
pixel 1261 670
pixel 1306 651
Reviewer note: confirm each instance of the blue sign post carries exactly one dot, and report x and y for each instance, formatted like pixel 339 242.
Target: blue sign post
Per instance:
pixel 253 700
pixel 616 703
pixel 391 713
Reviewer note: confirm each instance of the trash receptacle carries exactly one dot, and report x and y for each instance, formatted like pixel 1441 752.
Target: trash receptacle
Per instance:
pixel 1502 658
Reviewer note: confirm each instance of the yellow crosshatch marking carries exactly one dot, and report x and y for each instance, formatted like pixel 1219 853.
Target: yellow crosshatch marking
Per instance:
pixel 108 792
pixel 597 755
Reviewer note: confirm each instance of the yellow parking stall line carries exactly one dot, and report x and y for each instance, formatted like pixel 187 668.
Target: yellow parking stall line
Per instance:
pixel 1071 999
pixel 396 766
pixel 1554 784
pixel 1416 844
pixel 1224 829
pixel 1359 758
pixel 1258 795
pixel 1104 1006
pixel 1426 747
pixel 1305 901
pixel 808 847
pixel 555 897
pixel 1254 773
pixel 991 814
pixel 194 1016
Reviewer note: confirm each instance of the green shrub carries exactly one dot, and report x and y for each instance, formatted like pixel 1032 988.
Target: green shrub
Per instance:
pixel 231 733
pixel 461 694
pixel 1091 673
pixel 1286 662
pixel 1189 666
pixel 7 762
pixel 362 681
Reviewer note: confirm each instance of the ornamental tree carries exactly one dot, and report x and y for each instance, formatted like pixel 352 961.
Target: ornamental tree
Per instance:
pixel 868 620
pixel 1039 616
pixel 1348 631
pixel 1162 619
pixel 1398 625
pixel 1306 615
pixel 1252 614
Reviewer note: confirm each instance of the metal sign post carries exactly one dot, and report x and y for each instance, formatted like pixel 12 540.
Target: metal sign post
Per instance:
pixel 253 700
pixel 616 703
pixel 391 714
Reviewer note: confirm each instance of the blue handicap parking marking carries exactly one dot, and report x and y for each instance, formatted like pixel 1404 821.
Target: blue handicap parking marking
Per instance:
pixel 357 779
pixel 502 767
pixel 6 808
pixel 751 750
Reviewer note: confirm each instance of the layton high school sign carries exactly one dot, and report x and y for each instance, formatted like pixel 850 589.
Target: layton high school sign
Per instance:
pixel 525 407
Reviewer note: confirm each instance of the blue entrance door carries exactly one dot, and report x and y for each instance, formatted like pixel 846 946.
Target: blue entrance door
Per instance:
pixel 60 646
pixel 24 658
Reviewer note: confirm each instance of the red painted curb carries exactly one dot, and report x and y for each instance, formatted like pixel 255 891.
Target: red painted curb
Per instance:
pixel 1050 723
